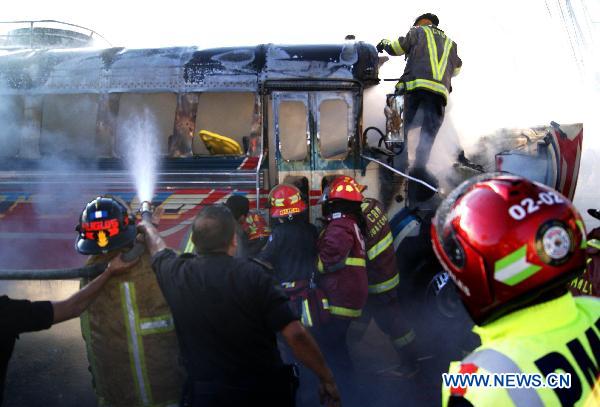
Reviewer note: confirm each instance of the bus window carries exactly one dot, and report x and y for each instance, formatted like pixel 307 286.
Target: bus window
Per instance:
pixel 225 114
pixel 153 112
pixel 69 125
pixel 11 122
pixel 292 123
pixel 334 116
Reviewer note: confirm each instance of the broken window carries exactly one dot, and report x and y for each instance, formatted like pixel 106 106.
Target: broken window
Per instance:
pixel 68 125
pixel 292 126
pixel 11 123
pixel 227 120
pixel 334 120
pixel 145 117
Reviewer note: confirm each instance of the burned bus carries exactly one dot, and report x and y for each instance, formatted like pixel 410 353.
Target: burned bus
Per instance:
pixel 221 121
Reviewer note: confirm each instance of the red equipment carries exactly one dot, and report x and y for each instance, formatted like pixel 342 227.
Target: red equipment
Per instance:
pixel 505 240
pixel 285 200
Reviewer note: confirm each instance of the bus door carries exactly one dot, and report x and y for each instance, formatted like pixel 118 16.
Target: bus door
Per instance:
pixel 312 134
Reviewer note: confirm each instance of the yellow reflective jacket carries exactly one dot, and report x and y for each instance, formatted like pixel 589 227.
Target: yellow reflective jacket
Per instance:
pixel 561 335
pixel 432 60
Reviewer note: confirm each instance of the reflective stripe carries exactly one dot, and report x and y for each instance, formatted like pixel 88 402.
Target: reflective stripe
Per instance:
pixel 134 338
pixel 589 261
pixel 378 248
pixel 411 229
pixel 189 247
pixel 356 261
pixel 496 362
pixel 306 318
pixel 404 340
pixel 345 312
pixel 594 243
pixel 288 284
pixel 443 63
pixel 456 71
pixel 424 83
pixel 583 234
pixel 397 47
pixel 438 65
pixel 432 48
pixel 385 286
pixel 325 303
pixel 160 324
pixel 350 261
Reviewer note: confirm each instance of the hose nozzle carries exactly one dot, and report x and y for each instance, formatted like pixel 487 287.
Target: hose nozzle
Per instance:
pixel 146 210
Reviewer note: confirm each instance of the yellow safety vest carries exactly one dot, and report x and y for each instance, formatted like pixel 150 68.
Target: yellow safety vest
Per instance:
pixel 561 335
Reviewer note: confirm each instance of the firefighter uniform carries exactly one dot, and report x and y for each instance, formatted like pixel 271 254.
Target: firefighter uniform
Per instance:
pixel 431 61
pixel 256 233
pixel 382 273
pixel 292 251
pixel 131 342
pixel 342 266
pixel 342 276
pixel 558 336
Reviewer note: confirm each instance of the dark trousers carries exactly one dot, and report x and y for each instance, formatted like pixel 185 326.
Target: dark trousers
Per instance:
pixel 333 343
pixel 273 391
pixel 424 109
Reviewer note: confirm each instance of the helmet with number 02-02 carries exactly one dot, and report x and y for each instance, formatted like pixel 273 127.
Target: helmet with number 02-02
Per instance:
pixel 104 225
pixel 505 241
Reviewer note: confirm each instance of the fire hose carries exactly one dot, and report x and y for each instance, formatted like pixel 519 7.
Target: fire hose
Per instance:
pixel 89 271
pixel 434 189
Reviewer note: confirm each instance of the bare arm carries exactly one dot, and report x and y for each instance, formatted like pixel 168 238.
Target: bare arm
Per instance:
pixel 307 351
pixel 77 303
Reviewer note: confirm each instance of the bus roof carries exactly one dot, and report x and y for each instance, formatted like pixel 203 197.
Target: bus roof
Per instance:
pixel 183 69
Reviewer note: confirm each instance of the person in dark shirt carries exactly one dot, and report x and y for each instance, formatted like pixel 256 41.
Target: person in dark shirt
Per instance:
pixel 292 246
pixel 226 312
pixel 18 316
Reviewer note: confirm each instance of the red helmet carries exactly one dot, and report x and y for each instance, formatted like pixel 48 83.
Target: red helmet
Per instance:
pixel 255 226
pixel 104 225
pixel 505 240
pixel 286 201
pixel 343 187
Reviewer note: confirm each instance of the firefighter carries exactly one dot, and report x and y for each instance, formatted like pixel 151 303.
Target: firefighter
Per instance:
pixel 512 246
pixel 18 316
pixel 227 311
pixel 589 282
pixel 383 278
pixel 251 231
pixel 129 332
pixel 292 251
pixel 341 273
pixel 292 247
pixel 431 61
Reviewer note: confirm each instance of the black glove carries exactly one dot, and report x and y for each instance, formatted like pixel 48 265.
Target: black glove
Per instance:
pixel 380 46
